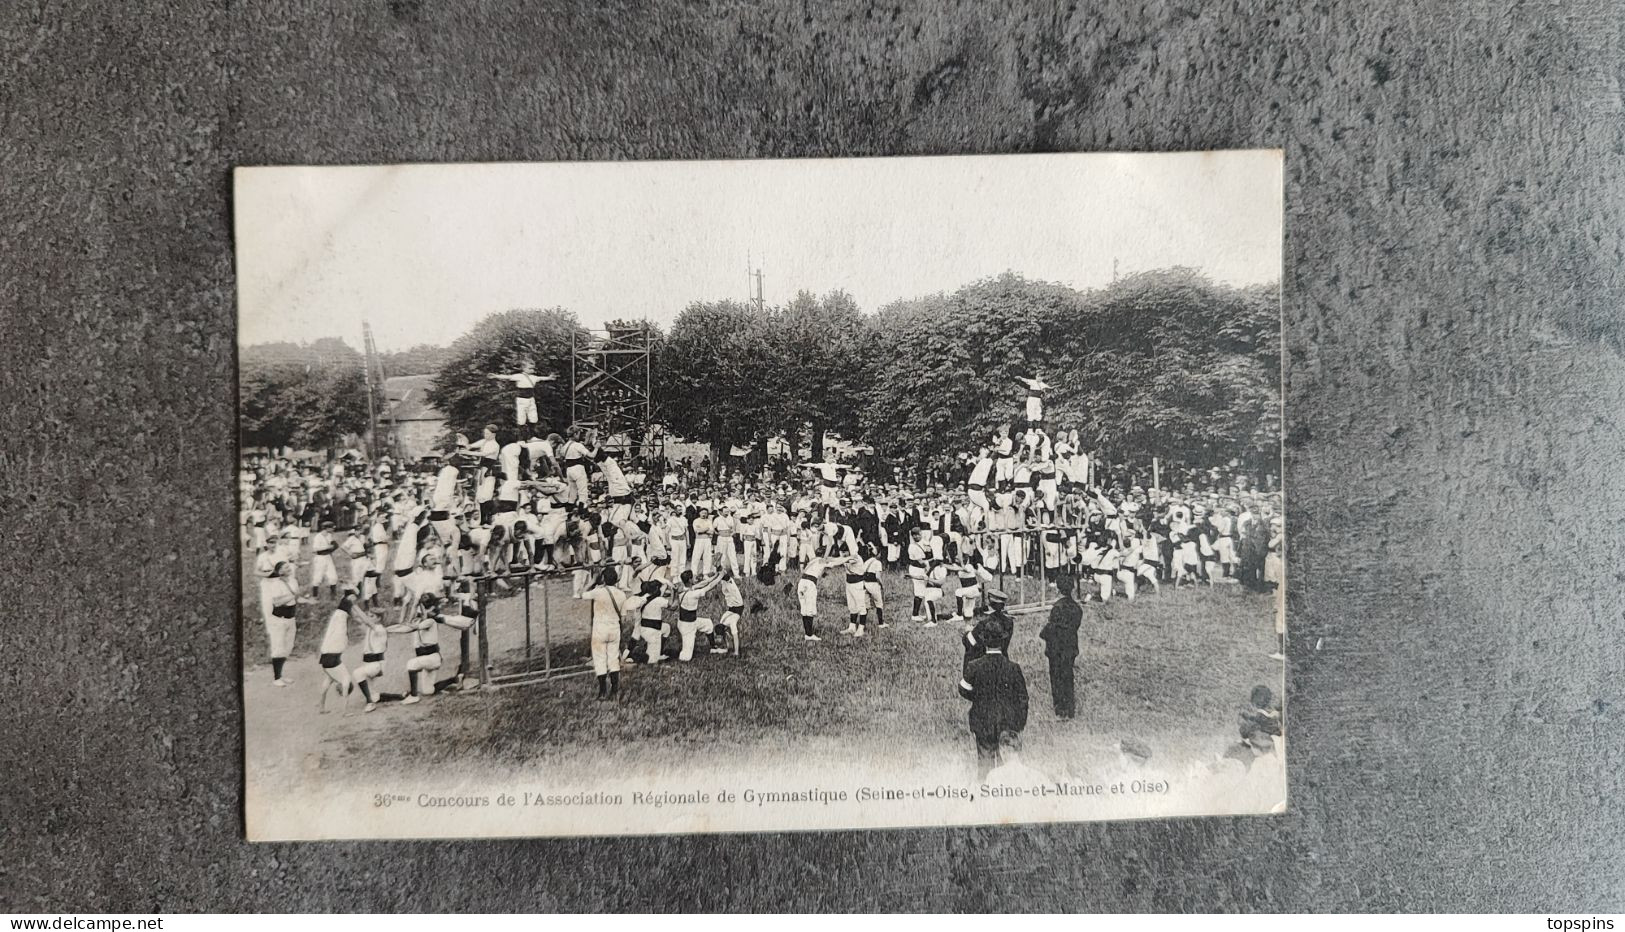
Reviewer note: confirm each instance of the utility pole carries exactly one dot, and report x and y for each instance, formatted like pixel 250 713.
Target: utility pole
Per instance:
pixel 371 355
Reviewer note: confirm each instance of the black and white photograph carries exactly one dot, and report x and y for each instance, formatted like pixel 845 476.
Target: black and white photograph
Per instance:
pixel 727 496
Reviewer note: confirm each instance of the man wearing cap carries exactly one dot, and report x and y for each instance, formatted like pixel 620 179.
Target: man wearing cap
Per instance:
pixel 322 570
pixel 892 532
pixel 724 539
pixel 857 600
pixel 749 536
pixel 700 561
pixel 872 590
pixel 378 539
pixel 807 594
pixel 993 629
pixel 675 523
pixel 363 576
pixel 997 691
pixel 282 607
pixel 915 561
pixel 1060 637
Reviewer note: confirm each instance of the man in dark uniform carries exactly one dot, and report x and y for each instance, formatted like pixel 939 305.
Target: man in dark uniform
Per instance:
pixel 893 526
pixel 988 629
pixel 998 697
pixel 865 521
pixel 1254 548
pixel 1060 637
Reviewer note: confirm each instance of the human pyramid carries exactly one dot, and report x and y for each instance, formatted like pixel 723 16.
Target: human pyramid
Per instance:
pixel 664 553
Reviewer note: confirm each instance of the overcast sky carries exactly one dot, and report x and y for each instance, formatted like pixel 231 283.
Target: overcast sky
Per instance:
pixel 425 251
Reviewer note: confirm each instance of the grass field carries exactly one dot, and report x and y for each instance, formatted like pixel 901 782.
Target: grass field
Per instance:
pixel 1168 672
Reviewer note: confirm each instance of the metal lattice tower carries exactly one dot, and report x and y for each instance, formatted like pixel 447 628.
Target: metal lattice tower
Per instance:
pixel 610 374
pixel 377 396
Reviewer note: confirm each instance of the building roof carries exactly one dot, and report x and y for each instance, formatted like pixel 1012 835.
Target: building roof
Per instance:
pixel 408 397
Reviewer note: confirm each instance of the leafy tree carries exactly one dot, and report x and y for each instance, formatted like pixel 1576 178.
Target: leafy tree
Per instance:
pixel 1168 364
pixel 265 418
pixel 716 376
pixel 301 394
pixel 465 392
pixel 1163 364
pixel 946 366
pixel 821 352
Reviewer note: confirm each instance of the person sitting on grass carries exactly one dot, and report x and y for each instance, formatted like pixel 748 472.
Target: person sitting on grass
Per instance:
pixel 1260 725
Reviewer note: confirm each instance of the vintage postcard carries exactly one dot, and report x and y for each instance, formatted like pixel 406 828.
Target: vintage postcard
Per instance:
pixel 607 498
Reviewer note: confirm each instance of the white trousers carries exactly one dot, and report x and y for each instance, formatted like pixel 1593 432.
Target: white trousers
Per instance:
pixel 279 632
pixel 687 631
pixel 701 562
pixel 651 641
pixel 578 483
pixel 425 664
pixel 606 647
pixel 730 621
pixel 524 411
pixel 1106 585
pixel 679 552
pixel 807 596
pixel 322 571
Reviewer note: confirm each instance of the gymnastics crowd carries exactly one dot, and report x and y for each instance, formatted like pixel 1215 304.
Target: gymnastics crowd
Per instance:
pixel 665 553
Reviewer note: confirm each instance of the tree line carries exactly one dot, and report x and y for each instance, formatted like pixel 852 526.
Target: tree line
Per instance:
pixel 1165 363
pixel 313 395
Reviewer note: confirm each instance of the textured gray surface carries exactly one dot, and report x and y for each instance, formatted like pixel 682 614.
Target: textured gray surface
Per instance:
pixel 1455 199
